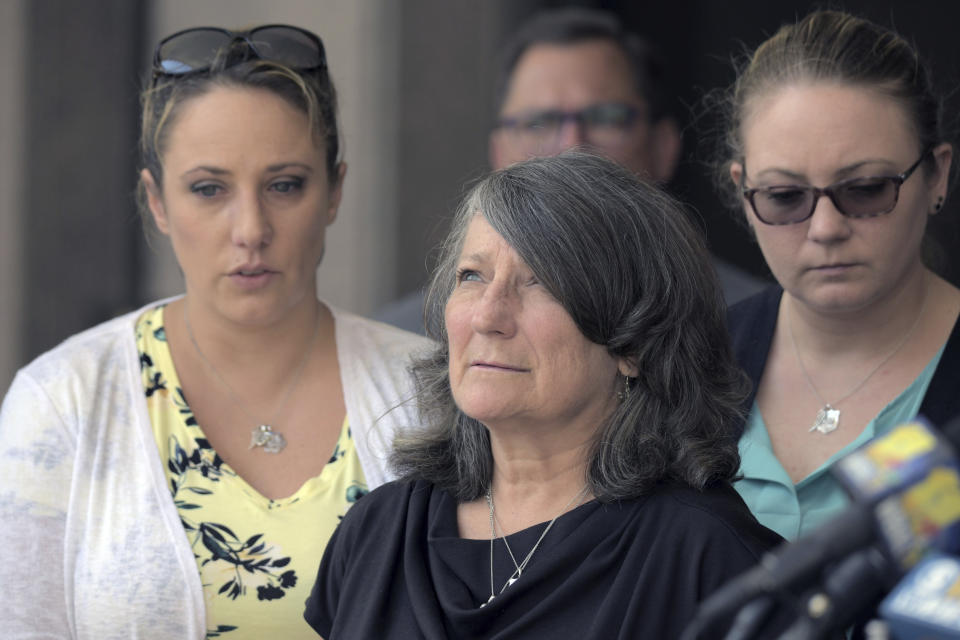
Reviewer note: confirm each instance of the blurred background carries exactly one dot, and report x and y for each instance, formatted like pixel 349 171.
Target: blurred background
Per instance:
pixel 416 83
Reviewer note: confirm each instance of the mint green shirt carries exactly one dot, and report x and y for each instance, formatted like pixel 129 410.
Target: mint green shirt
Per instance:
pixel 793 510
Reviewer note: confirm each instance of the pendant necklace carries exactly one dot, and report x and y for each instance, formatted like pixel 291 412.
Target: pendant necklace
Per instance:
pixel 518 568
pixel 828 417
pixel 263 434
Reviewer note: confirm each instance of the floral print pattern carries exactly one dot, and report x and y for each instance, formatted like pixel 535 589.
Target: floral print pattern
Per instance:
pixel 237 560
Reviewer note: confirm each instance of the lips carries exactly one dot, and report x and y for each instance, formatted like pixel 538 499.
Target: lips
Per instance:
pixel 252 277
pixel 835 267
pixel 250 271
pixel 492 365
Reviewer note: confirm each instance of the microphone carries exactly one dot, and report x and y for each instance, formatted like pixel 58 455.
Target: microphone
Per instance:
pixel 912 479
pixel 905 488
pixel 926 603
pixel 851 590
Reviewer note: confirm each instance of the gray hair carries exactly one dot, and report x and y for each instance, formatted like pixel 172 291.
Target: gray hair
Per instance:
pixel 624 261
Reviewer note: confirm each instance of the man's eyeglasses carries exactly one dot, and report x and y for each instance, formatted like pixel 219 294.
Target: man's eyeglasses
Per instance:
pixel 864 197
pixel 196 50
pixel 604 125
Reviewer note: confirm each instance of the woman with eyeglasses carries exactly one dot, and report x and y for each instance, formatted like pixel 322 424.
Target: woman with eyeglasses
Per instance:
pixel 177 472
pixel 835 154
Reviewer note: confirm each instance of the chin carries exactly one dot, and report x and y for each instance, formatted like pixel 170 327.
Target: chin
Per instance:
pixel 253 311
pixel 841 298
pixel 481 409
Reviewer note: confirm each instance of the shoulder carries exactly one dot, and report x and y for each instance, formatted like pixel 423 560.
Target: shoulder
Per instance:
pixel 375 361
pixel 405 312
pixel 752 323
pixel 378 522
pixel 760 307
pixel 391 500
pixel 369 338
pixel 97 353
pixel 89 380
pixel 716 514
pixel 736 283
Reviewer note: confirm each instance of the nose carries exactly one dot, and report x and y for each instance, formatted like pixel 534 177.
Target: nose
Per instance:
pixel 827 225
pixel 251 226
pixel 573 133
pixel 494 313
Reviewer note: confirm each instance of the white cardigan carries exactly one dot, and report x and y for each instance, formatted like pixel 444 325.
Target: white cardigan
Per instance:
pixel 91 544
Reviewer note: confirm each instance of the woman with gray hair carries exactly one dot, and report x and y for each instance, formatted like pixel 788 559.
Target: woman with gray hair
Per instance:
pixel 572 479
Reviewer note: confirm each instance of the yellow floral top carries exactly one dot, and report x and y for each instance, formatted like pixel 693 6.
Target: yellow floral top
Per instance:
pixel 257 557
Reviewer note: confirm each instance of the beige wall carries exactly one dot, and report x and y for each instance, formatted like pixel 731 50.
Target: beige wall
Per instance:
pixel 362 42
pixel 11 111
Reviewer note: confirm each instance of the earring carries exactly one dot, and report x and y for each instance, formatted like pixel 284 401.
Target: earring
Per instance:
pixel 624 393
pixel 938 205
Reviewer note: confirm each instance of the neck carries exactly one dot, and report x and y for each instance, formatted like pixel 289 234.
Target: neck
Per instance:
pixel 265 345
pixel 257 363
pixel 534 485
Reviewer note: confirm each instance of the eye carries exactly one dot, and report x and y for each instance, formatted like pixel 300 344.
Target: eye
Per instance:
pixel 541 122
pixel 206 189
pixel 612 115
pixel 866 188
pixel 784 197
pixel 467 275
pixel 287 185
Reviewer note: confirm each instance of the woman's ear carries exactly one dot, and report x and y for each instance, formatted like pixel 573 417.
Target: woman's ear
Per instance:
pixel 336 193
pixel 943 158
pixel 628 367
pixel 155 201
pixel 736 173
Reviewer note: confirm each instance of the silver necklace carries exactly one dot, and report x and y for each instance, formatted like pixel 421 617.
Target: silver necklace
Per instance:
pixel 518 568
pixel 828 417
pixel 263 434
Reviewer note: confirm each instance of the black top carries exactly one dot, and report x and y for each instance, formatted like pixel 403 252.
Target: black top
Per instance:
pixel 753 321
pixel 396 568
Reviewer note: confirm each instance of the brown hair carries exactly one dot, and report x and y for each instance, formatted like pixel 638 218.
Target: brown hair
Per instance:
pixel 311 91
pixel 828 46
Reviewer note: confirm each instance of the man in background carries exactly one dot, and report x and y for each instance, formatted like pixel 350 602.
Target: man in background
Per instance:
pixel 576 78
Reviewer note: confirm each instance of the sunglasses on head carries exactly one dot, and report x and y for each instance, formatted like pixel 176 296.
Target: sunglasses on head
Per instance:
pixel 197 49
pixel 855 198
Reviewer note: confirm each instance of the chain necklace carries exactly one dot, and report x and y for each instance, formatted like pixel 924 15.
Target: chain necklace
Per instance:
pixel 828 417
pixel 518 571
pixel 263 434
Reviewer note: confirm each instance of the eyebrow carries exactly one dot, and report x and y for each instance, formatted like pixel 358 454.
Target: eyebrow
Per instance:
pixel 841 173
pixel 287 165
pixel 204 168
pixel 273 168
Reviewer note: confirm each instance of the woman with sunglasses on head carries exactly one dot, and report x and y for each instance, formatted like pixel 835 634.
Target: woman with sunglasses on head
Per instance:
pixel 176 472
pixel 834 153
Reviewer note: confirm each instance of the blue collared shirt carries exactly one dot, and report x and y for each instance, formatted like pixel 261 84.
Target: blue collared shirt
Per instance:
pixel 793 510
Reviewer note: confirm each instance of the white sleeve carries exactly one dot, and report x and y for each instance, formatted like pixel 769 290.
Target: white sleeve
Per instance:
pixel 36 468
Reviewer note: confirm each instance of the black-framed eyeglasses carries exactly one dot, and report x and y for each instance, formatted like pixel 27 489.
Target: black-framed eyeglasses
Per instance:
pixel 195 50
pixel 603 124
pixel 863 197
